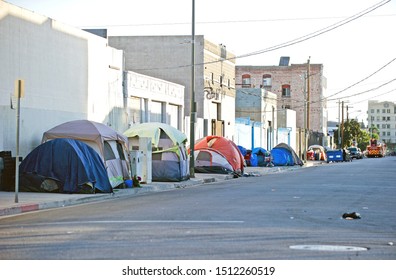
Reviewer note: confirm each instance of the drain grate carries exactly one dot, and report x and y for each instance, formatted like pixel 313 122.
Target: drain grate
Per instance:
pixel 333 248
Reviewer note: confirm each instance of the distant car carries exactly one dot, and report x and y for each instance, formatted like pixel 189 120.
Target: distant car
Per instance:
pixel 355 152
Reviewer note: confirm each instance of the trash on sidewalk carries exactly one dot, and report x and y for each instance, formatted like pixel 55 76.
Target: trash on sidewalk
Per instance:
pixel 351 216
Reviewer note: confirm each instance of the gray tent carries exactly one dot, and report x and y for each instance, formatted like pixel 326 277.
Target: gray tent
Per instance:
pixel 111 146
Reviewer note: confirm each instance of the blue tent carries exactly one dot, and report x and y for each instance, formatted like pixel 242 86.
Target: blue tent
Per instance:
pixel 66 165
pixel 259 154
pixel 284 155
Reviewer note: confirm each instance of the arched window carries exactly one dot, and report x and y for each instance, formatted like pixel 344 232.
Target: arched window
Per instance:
pixel 267 80
pixel 246 81
pixel 285 90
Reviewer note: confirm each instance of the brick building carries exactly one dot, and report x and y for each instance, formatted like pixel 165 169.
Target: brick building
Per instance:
pixel 291 86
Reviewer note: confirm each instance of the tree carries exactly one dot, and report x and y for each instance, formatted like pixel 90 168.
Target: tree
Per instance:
pixel 354 135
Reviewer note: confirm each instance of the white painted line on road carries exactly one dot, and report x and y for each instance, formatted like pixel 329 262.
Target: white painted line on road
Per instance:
pixel 334 248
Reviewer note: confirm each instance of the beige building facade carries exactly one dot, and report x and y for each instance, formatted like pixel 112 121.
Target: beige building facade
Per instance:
pixel 382 115
pixel 169 58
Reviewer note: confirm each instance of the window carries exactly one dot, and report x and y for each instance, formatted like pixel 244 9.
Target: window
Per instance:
pixel 372 111
pixel 378 118
pixel 388 111
pixel 383 111
pixel 388 126
pixel 246 81
pixel 108 151
pixel 383 118
pixel 378 111
pixel 267 81
pixel 388 133
pixel 388 118
pixel 285 90
pixel 120 151
pixel 383 133
pixel 383 126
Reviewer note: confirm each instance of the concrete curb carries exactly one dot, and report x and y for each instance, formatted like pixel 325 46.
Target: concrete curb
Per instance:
pixel 50 202
pixel 28 207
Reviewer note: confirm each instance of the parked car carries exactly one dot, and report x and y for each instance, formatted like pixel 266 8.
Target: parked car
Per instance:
pixel 355 152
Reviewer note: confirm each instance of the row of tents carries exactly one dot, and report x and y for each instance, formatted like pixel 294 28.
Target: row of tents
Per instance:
pixel 86 156
pixel 281 155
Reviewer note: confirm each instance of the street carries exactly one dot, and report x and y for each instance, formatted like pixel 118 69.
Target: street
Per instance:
pixel 293 215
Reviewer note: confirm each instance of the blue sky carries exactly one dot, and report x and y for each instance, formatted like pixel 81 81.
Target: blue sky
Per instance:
pixel 357 36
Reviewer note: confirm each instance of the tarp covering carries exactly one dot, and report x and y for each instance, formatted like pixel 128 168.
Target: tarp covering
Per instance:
pixel 259 154
pixel 169 154
pixel 111 145
pixel 318 151
pixel 284 155
pixel 224 147
pixel 71 164
pixel 153 130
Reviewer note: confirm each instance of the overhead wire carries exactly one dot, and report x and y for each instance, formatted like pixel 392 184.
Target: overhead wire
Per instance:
pixel 285 44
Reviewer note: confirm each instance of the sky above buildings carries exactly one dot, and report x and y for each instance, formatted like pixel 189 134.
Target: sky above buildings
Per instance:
pixel 353 39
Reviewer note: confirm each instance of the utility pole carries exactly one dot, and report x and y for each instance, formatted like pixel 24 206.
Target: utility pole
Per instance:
pixel 342 125
pixel 308 91
pixel 192 105
pixel 305 118
pixel 339 125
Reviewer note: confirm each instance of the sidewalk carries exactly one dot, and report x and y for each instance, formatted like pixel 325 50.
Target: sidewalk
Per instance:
pixel 32 201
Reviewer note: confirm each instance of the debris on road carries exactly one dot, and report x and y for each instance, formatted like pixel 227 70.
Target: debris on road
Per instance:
pixel 351 216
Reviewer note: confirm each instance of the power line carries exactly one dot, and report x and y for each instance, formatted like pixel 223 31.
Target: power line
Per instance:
pixel 369 76
pixel 366 91
pixel 288 43
pixel 223 21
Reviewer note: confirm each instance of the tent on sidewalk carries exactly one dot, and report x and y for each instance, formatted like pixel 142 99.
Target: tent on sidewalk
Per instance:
pixel 108 143
pixel 216 154
pixel 66 166
pixel 169 154
pixel 284 155
pixel 260 155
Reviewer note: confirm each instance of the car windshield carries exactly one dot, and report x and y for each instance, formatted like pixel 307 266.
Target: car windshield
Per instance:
pixel 352 149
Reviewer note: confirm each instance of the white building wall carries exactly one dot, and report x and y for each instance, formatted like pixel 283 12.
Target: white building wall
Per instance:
pixel 66 73
pixel 159 100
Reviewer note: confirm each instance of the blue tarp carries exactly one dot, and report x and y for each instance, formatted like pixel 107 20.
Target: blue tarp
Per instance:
pixel 284 155
pixel 259 155
pixel 242 150
pixel 72 164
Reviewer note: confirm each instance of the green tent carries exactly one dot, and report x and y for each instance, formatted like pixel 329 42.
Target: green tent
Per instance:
pixel 169 154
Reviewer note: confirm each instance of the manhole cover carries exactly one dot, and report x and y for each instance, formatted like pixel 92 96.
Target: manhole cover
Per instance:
pixel 334 248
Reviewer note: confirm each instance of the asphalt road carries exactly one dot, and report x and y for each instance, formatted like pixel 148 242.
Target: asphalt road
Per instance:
pixel 295 215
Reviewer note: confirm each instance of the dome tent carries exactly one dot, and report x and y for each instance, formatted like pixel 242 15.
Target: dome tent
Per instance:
pixel 169 155
pixel 108 143
pixel 284 155
pixel 216 154
pixel 64 165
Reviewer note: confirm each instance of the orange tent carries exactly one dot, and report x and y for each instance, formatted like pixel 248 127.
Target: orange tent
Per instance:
pixel 224 147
